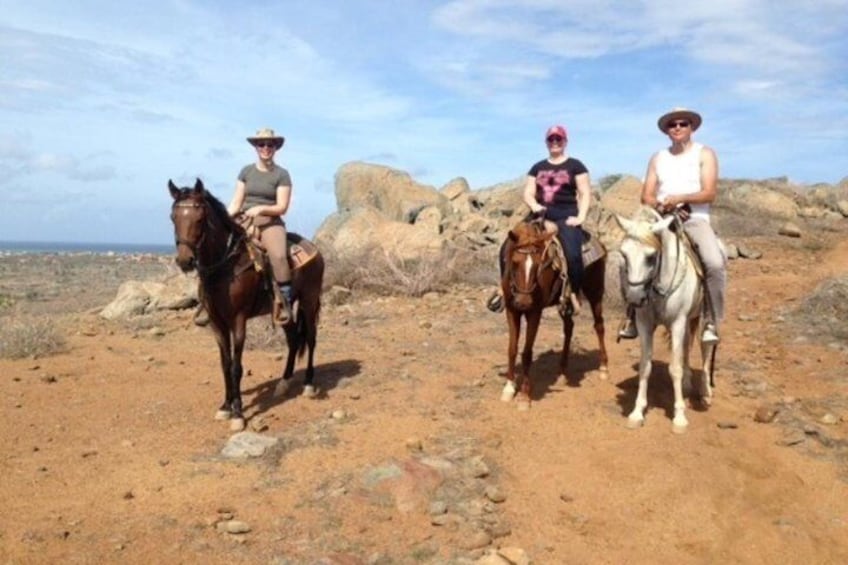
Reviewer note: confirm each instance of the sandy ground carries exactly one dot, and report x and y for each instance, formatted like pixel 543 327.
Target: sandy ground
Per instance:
pixel 110 452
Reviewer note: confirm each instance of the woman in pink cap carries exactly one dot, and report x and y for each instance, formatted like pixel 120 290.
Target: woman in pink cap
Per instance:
pixel 558 189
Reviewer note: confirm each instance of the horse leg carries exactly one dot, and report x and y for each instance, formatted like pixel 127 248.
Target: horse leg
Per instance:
pixel 311 331
pixel 239 334
pixel 292 343
pixel 567 333
pixel 691 331
pixel 678 331
pixel 533 319
pixel 598 316
pixel 514 321
pixel 222 338
pixel 646 339
pixel 708 364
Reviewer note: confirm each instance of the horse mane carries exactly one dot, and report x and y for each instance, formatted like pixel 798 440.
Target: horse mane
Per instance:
pixel 221 212
pixel 644 217
pixel 527 233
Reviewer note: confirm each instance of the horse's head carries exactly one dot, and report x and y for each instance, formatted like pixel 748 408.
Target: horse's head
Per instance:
pixel 640 250
pixel 526 245
pixel 188 213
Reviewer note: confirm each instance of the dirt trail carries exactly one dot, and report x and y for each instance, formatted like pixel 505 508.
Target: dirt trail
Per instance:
pixel 111 453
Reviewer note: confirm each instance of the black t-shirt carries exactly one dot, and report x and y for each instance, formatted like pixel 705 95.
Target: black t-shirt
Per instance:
pixel 556 187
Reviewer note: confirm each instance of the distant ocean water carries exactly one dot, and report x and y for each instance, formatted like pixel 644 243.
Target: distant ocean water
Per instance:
pixel 80 247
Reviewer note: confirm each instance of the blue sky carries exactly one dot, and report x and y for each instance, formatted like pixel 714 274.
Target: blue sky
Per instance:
pixel 101 102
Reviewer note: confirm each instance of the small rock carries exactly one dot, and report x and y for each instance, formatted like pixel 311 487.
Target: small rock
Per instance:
pixel 129 495
pixel 790 230
pixel 475 540
pixel 438 507
pixel 727 425
pixel 338 414
pixel 500 530
pixel 494 494
pixel 48 379
pixel 765 414
pixel 236 527
pixel 565 497
pixel 515 555
pixel 414 444
pixel 479 469
pixel 829 419
pixel 748 253
pixel 791 440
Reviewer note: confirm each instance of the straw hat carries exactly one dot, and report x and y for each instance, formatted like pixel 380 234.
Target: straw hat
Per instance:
pixel 679 114
pixel 267 134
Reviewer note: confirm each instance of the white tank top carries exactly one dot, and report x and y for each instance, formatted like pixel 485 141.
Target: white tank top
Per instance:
pixel 681 174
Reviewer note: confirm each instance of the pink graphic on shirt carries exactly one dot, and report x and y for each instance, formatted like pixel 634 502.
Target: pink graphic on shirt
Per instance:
pixel 552 182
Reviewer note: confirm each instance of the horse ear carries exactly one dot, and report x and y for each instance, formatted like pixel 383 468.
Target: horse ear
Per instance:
pixel 172 188
pixel 663 224
pixel 198 186
pixel 512 235
pixel 624 223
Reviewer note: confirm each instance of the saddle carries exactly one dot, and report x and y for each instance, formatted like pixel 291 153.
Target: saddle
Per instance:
pixel 592 250
pixel 299 249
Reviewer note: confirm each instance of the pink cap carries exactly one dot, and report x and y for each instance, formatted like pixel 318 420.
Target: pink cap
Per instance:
pixel 556 130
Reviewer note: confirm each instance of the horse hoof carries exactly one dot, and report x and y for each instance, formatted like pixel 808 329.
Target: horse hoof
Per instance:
pixel 507 394
pixel 222 415
pixel 633 424
pixel 309 391
pixel 237 424
pixel 603 372
pixel 281 389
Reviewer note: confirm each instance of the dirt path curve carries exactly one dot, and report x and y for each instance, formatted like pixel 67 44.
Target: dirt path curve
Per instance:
pixel 111 454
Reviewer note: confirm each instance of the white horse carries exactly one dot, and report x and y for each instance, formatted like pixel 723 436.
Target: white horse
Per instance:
pixel 660 280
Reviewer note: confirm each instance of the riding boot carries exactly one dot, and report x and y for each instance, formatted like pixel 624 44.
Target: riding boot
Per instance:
pixel 282 307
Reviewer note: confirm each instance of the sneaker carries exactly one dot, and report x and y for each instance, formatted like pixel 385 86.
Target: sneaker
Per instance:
pixel 710 336
pixel 495 303
pixel 628 330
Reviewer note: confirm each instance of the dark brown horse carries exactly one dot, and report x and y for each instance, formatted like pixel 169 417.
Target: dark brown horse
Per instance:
pixel 531 282
pixel 232 290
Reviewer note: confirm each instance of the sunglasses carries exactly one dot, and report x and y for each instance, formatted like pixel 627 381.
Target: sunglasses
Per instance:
pixel 555 139
pixel 674 125
pixel 264 144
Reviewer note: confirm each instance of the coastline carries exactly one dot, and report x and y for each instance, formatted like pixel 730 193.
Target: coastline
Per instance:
pixel 82 248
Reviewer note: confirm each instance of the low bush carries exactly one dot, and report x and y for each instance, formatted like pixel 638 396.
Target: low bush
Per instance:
pixel 29 337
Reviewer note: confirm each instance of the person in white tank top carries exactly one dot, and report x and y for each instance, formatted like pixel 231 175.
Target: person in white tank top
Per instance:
pixel 686 173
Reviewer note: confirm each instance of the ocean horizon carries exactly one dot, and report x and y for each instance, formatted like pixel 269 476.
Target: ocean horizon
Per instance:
pixel 84 247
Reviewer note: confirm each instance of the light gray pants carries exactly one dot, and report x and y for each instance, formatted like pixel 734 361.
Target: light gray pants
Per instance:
pixel 715 266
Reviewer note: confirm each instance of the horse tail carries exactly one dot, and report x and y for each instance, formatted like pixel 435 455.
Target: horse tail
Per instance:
pixel 302 330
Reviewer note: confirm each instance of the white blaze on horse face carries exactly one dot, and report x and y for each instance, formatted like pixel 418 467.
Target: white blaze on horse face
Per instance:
pixel 528 265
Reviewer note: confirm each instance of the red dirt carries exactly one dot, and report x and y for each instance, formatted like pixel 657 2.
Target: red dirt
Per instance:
pixel 111 453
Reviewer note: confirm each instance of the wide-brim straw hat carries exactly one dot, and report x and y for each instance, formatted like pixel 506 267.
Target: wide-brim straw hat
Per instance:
pixel 267 134
pixel 679 114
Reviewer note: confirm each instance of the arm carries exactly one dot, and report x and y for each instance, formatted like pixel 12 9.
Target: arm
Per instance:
pixel 530 195
pixel 584 199
pixel 649 188
pixel 238 199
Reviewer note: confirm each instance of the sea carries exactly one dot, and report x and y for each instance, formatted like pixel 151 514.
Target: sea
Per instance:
pixel 74 247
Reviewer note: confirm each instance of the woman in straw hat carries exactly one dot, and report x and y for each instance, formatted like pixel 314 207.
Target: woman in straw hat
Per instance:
pixel 262 196
pixel 686 174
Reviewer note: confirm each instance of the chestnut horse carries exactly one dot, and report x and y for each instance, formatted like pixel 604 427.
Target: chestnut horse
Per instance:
pixel 531 282
pixel 232 290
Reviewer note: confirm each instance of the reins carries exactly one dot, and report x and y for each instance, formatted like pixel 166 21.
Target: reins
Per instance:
pixel 234 241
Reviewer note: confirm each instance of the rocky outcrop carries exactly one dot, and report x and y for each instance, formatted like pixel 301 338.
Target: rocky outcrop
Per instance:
pixel 136 298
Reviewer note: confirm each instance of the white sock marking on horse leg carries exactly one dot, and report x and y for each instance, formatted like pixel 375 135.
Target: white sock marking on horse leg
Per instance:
pixel 508 391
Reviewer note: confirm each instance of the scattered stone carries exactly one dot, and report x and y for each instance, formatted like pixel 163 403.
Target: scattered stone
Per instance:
pixel 829 419
pixel 414 444
pixel 732 251
pixel 793 439
pixel 338 414
pixel 494 494
pixel 748 253
pixel 438 507
pixel 48 379
pixel 492 558
pixel 565 497
pixel 500 530
pixel 790 230
pixel 515 555
pixel 765 414
pixel 247 444
pixel 236 527
pixel 479 469
pixel 728 425
pixel 129 495
pixel 156 331
pixel 475 540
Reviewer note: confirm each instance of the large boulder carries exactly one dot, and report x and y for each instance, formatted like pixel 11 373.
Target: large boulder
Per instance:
pixel 770 202
pixel 393 193
pixel 623 196
pixel 136 298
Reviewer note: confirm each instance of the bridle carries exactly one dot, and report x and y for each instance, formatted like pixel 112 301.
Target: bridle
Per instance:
pixel 651 282
pixel 233 241
pixel 530 250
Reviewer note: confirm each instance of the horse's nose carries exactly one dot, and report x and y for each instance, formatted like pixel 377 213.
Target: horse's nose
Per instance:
pixel 185 264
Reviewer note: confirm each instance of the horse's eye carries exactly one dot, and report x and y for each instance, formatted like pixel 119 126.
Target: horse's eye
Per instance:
pixel 651 259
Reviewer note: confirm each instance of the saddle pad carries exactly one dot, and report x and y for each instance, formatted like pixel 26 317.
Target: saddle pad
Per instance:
pixel 301 250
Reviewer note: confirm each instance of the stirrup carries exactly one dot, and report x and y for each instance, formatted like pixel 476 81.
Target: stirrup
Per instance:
pixel 495 303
